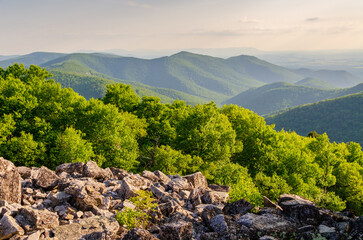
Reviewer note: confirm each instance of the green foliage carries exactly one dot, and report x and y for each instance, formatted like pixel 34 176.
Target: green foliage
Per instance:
pixel 122 96
pixel 138 217
pixel 71 147
pixel 240 181
pixel 44 124
pixel 171 161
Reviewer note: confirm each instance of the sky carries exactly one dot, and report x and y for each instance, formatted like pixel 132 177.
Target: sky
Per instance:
pixel 270 25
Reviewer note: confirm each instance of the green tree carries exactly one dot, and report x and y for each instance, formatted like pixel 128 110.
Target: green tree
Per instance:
pixel 122 96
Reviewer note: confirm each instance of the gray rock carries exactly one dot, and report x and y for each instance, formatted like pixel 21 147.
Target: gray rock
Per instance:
pixel 197 180
pixel 219 188
pixel 163 178
pixel 39 219
pixel 218 224
pixel 328 232
pixel 214 197
pixel 139 234
pixel 150 175
pixel 70 168
pixel 299 208
pixel 9 227
pixel 90 228
pixel 10 182
pixel 177 231
pixel 34 235
pixel 28 173
pixel 46 178
pixel 208 211
pixel 132 184
pixel 59 198
pixel 178 184
pixel 267 223
pixel 237 207
pixel 92 170
pixel 119 173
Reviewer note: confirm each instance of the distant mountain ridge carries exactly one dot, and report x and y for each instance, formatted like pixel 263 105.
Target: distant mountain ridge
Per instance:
pixel 193 77
pixel 282 95
pixel 341 118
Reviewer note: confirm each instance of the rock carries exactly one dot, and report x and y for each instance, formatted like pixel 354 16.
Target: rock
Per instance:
pixel 92 170
pixel 169 208
pixel 300 209
pixel 267 238
pixel 177 231
pixel 328 232
pixel 163 178
pixel 28 173
pixel 132 184
pixel 34 235
pixel 208 211
pixel 139 234
pixel 39 219
pixel 214 197
pixel 10 182
pixel 59 198
pixel 356 228
pixel 219 188
pixel 90 228
pixel 268 203
pixel 9 227
pixel 237 207
pixel 197 180
pixel 159 193
pixel 267 223
pixel 46 178
pixel 218 224
pixel 150 175
pixel 178 184
pixel 119 173
pixel 73 169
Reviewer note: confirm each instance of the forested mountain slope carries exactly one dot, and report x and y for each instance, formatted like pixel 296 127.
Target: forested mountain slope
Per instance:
pixel 340 118
pixel 45 124
pixel 315 83
pixel 279 96
pixel 194 74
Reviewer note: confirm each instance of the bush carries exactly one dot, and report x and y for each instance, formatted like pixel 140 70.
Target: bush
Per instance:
pixel 138 217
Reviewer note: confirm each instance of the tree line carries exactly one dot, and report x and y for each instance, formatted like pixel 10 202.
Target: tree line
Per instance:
pixel 42 123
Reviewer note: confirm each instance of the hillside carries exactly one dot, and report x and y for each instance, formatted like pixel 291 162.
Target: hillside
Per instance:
pixel 340 118
pixel 35 58
pixel 199 75
pixel 95 87
pixel 315 83
pixel 338 78
pixel 278 96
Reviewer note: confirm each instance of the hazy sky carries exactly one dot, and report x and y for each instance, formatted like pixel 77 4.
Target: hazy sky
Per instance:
pixel 71 25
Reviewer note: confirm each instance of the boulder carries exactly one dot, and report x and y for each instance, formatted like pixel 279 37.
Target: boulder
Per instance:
pixel 356 228
pixel 267 223
pixel 9 227
pixel 178 184
pixel 132 184
pixel 197 180
pixel 218 224
pixel 139 234
pixel 28 173
pixel 219 188
pixel 46 178
pixel 90 228
pixel 208 211
pixel 71 168
pixel 39 219
pixel 10 182
pixel 268 203
pixel 328 232
pixel 59 198
pixel 92 170
pixel 181 230
pixel 150 175
pixel 119 173
pixel 238 207
pixel 214 197
pixel 163 178
pixel 299 208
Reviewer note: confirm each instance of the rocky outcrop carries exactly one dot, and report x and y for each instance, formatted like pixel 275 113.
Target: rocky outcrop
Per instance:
pixel 80 200
pixel 10 182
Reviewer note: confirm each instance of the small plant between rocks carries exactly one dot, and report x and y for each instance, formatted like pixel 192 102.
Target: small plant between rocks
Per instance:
pixel 138 217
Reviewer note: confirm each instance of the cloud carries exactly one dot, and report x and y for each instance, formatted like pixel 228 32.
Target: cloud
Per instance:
pixel 313 19
pixel 249 20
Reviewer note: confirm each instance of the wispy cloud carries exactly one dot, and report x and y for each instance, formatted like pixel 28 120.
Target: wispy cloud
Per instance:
pixel 313 19
pixel 249 20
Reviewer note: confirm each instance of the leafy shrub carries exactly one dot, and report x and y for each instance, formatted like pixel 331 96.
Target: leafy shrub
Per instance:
pixel 138 217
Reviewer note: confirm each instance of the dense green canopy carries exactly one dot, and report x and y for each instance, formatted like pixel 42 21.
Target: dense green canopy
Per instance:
pixel 43 124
